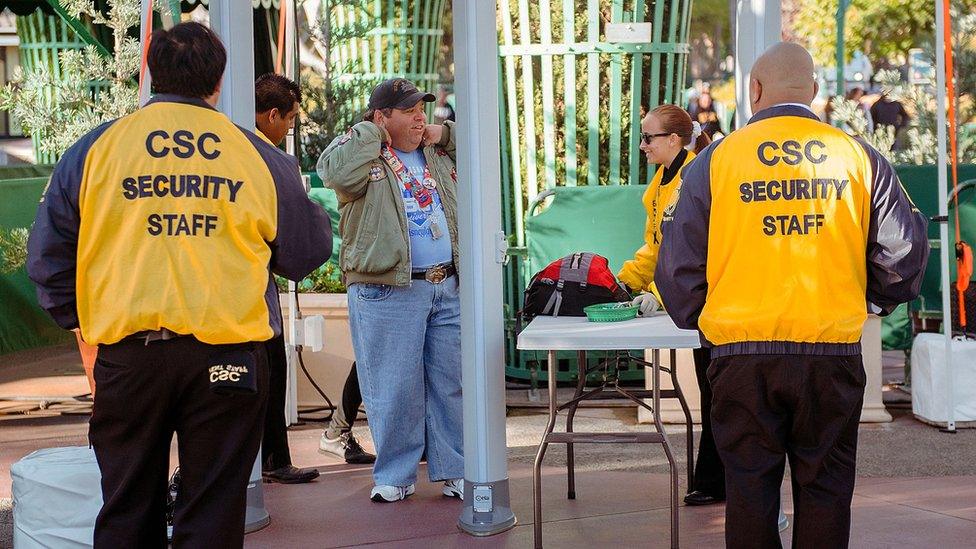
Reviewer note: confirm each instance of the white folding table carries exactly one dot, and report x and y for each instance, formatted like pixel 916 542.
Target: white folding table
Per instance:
pixel 552 334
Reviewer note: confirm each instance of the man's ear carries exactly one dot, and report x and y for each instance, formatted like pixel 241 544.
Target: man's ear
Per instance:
pixel 274 114
pixel 755 91
pixel 816 90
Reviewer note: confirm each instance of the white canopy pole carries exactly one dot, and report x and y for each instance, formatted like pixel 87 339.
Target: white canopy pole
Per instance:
pixel 291 147
pixel 487 508
pixel 757 26
pixel 235 27
pixel 940 125
pixel 145 28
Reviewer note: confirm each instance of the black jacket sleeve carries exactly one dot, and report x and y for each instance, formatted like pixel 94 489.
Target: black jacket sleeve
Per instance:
pixel 680 272
pixel 898 245
pixel 52 249
pixel 304 238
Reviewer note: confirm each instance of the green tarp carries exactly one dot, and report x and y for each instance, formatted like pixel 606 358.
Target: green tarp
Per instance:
pixel 896 330
pixel 22 323
pixel 24 171
pixel 608 220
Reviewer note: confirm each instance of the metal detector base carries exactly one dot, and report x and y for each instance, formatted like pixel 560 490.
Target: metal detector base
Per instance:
pixel 483 523
pixel 253 524
pixel 256 515
pixel 496 528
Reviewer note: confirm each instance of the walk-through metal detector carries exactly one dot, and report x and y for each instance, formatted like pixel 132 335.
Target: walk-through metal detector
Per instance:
pixel 487 508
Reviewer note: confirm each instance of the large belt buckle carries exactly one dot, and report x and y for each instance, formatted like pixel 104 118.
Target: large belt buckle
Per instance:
pixel 436 275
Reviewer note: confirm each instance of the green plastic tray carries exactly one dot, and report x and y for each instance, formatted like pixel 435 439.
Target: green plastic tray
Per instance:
pixel 611 312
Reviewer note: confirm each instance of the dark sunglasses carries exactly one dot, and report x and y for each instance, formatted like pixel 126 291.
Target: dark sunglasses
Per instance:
pixel 646 137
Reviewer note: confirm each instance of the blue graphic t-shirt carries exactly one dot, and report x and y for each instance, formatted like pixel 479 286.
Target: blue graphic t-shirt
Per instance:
pixel 425 250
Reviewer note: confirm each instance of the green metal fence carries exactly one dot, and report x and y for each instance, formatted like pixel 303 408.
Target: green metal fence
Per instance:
pixel 403 40
pixel 42 39
pixel 571 102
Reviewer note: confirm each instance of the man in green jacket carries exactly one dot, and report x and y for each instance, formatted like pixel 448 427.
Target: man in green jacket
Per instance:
pixel 396 181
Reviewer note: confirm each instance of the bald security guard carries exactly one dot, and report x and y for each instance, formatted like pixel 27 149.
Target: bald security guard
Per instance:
pixel 786 234
pixel 156 237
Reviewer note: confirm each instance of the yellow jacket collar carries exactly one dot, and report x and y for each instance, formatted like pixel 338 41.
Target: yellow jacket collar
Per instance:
pixel 260 134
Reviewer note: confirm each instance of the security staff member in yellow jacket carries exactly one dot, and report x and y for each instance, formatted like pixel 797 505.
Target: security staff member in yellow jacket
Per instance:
pixel 156 237
pixel 667 134
pixel 786 234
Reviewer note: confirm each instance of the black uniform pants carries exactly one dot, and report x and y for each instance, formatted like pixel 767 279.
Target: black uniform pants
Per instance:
pixel 709 473
pixel 146 393
pixel 804 408
pixel 274 448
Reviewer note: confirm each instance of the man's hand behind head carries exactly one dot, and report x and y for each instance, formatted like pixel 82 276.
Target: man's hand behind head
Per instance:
pixel 433 134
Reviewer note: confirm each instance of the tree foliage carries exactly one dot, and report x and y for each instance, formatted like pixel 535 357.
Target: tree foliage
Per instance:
pixel 13 249
pixel 333 90
pixel 920 138
pixel 882 29
pixel 91 88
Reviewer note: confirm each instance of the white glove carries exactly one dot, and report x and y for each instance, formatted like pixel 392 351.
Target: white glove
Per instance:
pixel 648 304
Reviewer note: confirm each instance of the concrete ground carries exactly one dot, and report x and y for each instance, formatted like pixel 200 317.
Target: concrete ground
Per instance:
pixel 916 486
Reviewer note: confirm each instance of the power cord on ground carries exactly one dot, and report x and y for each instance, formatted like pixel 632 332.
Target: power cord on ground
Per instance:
pixel 301 361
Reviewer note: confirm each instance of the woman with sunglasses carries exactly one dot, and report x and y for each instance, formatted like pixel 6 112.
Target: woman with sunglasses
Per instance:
pixel 670 139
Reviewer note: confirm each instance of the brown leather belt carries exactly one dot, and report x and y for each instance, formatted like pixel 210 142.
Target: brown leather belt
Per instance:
pixel 435 274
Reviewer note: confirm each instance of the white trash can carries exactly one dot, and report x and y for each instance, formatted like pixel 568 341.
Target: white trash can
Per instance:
pixel 930 380
pixel 57 495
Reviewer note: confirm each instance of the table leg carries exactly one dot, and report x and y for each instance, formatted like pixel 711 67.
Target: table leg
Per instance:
pixel 689 425
pixel 570 454
pixel 537 468
pixel 656 374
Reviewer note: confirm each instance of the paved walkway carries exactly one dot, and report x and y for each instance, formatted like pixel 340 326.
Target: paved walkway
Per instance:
pixel 916 487
pixel 622 492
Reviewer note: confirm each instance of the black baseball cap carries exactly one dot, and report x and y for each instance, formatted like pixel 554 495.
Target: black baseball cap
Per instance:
pixel 397 93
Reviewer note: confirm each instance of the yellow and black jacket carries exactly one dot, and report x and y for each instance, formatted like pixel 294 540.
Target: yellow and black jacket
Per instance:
pixel 638 273
pixel 785 235
pixel 173 217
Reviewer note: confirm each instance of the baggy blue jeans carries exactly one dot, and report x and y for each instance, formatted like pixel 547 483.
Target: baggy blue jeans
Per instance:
pixel 407 341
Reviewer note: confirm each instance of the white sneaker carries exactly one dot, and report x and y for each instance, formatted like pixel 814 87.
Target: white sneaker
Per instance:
pixel 346 447
pixel 454 488
pixel 387 493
